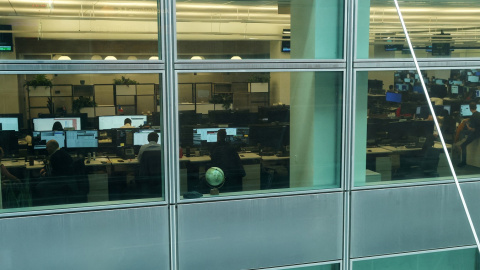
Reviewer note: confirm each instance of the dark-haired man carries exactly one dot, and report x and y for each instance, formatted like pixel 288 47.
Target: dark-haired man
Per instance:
pixel 473 126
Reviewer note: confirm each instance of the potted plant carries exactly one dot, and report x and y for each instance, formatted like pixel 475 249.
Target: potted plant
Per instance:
pixel 84 105
pixel 122 86
pixel 225 99
pixel 259 83
pixel 40 85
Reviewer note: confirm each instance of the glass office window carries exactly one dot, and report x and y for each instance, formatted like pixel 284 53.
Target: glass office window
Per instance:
pixel 440 260
pixel 78 30
pixel 402 143
pixel 101 157
pixel 446 29
pixel 319 267
pixel 267 132
pixel 238 30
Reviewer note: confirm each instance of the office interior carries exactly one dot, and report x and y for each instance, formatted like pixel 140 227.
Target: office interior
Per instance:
pixel 402 142
pixel 338 209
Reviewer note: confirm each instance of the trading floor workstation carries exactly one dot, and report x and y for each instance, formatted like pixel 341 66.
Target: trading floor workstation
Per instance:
pixel 261 140
pixel 402 141
pixel 103 150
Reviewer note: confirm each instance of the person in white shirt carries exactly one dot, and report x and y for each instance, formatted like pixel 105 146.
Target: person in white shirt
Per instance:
pixel 127 123
pixel 151 146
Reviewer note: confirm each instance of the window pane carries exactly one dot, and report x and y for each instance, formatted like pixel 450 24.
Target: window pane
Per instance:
pixel 260 30
pixel 443 260
pixel 69 142
pixel 436 30
pixel 402 144
pixel 265 131
pixel 78 30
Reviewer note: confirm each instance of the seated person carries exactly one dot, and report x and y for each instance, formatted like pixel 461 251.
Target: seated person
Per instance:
pixel 151 146
pixel 127 123
pixel 473 126
pixel 60 162
pixel 226 158
pixel 6 176
pixel 57 126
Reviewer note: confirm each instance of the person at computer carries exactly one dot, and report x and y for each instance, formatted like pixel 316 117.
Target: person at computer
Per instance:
pixel 473 126
pixel 6 176
pixel 127 123
pixel 57 126
pixel 59 161
pixel 152 145
pixel 226 158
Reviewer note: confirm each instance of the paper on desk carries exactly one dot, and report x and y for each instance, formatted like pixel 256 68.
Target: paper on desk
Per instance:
pixel 102 159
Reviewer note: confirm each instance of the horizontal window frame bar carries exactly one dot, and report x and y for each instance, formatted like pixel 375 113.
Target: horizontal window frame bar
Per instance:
pixel 244 65
pixel 81 67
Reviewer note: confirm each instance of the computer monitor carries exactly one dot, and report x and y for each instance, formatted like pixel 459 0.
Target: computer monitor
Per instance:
pixel 448 108
pixel 46 124
pixel 473 78
pixel 439 82
pixel 237 136
pixel 424 111
pixel 407 80
pixel 465 110
pixel 81 139
pixel 140 137
pixel 401 87
pixel 9 123
pixel 457 82
pixel 454 89
pixel 418 89
pixel 393 97
pixel 271 136
pixel 117 121
pixel 9 142
pixel 439 91
pixel 477 93
pixel 40 138
pixel 124 137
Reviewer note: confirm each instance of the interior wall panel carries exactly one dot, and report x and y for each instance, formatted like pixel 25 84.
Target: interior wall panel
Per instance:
pixel 117 239
pixel 395 220
pixel 255 233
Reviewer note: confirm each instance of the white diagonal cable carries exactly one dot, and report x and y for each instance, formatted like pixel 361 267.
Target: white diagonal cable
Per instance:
pixel 440 134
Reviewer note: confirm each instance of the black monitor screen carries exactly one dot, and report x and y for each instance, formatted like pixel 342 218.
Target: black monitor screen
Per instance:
pixel 6 39
pixel 9 142
pixel 274 136
pixel 124 137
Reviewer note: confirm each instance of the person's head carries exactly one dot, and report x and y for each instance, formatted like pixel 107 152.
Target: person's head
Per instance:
pixel 127 121
pixel 152 137
pixel 221 135
pixel 52 146
pixel 57 126
pixel 390 87
pixel 473 106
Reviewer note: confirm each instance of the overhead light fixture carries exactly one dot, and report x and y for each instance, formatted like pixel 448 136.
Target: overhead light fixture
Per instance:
pixel 110 57
pixel 64 57
pixel 97 57
pixel 153 58
pixel 236 57
pixel 56 56
pixel 196 57
pixel 131 57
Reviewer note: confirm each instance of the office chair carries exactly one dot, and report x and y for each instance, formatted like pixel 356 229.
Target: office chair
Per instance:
pixel 77 187
pixel 149 180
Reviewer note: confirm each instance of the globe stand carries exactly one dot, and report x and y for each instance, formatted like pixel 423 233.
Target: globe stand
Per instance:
pixel 214 191
pixel 215 178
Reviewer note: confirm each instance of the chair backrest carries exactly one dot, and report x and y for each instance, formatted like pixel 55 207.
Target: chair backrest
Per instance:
pixel 151 163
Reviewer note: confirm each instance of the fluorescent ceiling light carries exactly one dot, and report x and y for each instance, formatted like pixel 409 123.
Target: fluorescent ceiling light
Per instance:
pixel 153 58
pixel 110 57
pixel 131 57
pixel 97 57
pixel 64 57
pixel 236 57
pixel 196 57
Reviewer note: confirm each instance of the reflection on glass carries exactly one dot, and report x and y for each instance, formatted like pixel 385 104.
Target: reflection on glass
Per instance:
pixel 260 132
pixel 238 30
pixel 91 140
pixel 78 30
pixel 443 260
pixel 320 267
pixel 402 143
pixel 446 29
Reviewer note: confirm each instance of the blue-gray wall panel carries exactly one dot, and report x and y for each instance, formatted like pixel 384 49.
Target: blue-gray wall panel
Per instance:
pixel 406 219
pixel 254 233
pixel 116 239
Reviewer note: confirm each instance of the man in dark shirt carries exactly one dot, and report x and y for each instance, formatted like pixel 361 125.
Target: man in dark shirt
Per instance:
pixel 226 158
pixel 60 162
pixel 473 126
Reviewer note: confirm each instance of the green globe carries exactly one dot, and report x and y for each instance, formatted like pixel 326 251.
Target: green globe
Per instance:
pixel 215 176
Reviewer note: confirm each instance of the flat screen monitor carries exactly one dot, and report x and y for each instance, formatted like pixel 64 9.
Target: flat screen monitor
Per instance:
pixel 401 87
pixel 124 137
pixel 140 137
pixel 454 90
pixel 465 110
pixel 407 80
pixel 46 124
pixel 418 89
pixel 9 123
pixel 424 111
pixel 81 139
pixel 6 39
pixel 117 121
pixel 457 82
pixel 9 142
pixel 477 93
pixel 237 135
pixel 439 82
pixel 40 138
pixel 393 97
pixel 473 78
pixel 448 108
pixel 271 136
